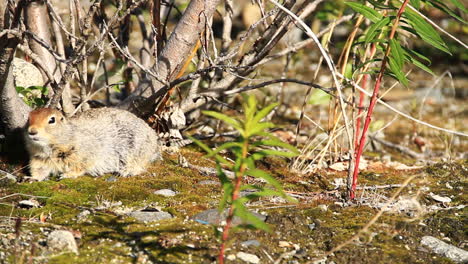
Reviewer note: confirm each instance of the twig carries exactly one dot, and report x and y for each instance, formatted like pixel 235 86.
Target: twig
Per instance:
pixel 67 104
pixel 22 194
pixel 400 148
pixel 376 187
pixel 227 26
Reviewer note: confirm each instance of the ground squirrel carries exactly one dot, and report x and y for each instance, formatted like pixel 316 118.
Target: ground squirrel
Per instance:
pixel 97 141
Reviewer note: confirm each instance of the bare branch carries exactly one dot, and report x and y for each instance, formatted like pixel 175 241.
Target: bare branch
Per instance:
pixel 37 23
pixel 178 47
pixel 67 104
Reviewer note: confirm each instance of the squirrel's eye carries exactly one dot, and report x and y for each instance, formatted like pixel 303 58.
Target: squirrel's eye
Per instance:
pixel 52 120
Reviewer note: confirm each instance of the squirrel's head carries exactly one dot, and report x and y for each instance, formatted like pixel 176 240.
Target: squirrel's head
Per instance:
pixel 43 125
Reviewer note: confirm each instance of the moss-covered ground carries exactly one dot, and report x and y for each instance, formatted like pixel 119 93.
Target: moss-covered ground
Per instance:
pixel 108 235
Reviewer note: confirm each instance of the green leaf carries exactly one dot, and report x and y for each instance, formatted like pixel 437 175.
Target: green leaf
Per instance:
pixel 264 112
pixel 272 152
pixel 116 88
pixel 443 7
pixel 319 97
pixel 375 28
pixel 259 127
pixel 227 186
pixel 209 151
pixel 227 145
pixel 20 89
pixel 397 53
pixel 421 66
pixel 368 12
pixel 415 3
pixel 459 5
pixel 395 69
pixel 275 142
pixel 417 54
pixel 376 125
pixel 426 31
pixel 379 4
pixel 233 122
pixel 257 173
pixel 250 106
pixel 248 217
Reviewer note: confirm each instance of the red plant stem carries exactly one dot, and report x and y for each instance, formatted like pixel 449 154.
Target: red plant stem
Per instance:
pixel 372 102
pixel 361 100
pixel 235 195
pixel 359 119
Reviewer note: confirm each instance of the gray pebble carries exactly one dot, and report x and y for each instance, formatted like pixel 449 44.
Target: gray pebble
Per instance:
pixel 209 182
pixel 249 243
pixel 441 248
pixel 150 216
pixel 249 258
pixel 165 192
pixel 62 240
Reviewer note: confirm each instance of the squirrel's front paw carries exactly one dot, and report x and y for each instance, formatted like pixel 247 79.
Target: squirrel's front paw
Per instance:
pixel 39 174
pixel 72 174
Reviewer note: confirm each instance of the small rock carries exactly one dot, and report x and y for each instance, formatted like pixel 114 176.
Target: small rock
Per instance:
pixel 150 216
pixel 206 131
pixel 441 248
pixel 209 182
pixel 212 216
pixel 111 179
pixel 165 192
pixel 62 240
pixel 231 257
pixel 248 243
pixel 439 198
pixel 338 182
pixel 26 74
pixel 284 244
pixel 83 215
pixel 28 204
pixel 323 207
pixel 311 226
pixel 320 261
pixel 339 166
pixel 249 258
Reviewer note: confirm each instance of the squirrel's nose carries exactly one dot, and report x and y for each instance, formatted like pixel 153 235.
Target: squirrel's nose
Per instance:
pixel 32 131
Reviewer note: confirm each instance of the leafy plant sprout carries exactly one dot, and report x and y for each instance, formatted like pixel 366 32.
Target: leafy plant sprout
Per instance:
pixel 253 144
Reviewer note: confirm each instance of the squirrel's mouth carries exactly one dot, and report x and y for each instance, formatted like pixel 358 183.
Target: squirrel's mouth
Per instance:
pixel 36 139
